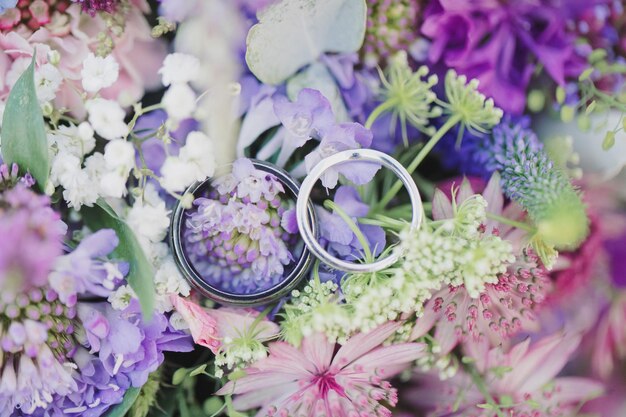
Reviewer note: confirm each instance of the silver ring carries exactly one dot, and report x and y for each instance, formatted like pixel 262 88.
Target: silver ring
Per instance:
pixel 360 155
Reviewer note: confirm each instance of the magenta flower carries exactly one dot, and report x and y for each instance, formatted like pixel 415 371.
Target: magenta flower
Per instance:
pixel 500 43
pixel 314 380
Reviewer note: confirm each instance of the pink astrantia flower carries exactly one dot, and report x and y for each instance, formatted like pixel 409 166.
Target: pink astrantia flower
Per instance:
pixel 504 308
pixel 610 339
pixel 521 381
pixel 313 380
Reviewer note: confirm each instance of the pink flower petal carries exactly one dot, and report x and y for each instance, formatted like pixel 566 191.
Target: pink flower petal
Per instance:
pixel 362 343
pixel 203 327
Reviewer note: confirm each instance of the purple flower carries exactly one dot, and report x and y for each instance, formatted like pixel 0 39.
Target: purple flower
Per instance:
pixel 340 138
pixel 86 270
pixel 94 6
pixel 28 226
pixel 309 116
pixel 239 235
pixel 500 44
pixel 154 150
pixel 339 239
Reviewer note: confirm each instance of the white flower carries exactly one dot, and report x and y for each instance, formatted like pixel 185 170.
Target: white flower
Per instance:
pixel 80 190
pixel 176 174
pixel 107 118
pixel 179 101
pixel 113 184
pixel 119 154
pixel 120 298
pixel 99 72
pixel 198 151
pixel 149 221
pixel 64 167
pixel 179 68
pixel 95 166
pixel 168 279
pixel 74 140
pixel 178 322
pixel 48 79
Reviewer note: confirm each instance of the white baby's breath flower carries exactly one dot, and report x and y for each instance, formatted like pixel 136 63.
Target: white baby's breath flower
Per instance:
pixel 179 68
pixel 48 79
pixel 168 279
pixel 178 322
pixel 74 140
pixel 99 72
pixel 179 101
pixel 176 174
pixel 198 151
pixel 64 166
pixel 113 184
pixel 107 118
pixel 119 154
pixel 149 221
pixel 120 298
pixel 80 190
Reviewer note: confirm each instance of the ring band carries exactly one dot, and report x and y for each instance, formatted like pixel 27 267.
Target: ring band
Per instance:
pixel 356 155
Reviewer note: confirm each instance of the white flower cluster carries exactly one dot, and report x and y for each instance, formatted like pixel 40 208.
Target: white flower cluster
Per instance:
pixel 376 300
pixel 316 309
pixel 469 215
pixel 237 353
pixel 442 257
pixel 195 162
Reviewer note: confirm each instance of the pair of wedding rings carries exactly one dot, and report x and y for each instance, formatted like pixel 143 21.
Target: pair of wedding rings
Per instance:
pixel 307 224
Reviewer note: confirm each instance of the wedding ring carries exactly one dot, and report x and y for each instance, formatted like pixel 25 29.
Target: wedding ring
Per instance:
pixel 303 202
pixel 293 275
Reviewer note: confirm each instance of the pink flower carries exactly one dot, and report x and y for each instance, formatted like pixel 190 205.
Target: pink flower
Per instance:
pixel 521 381
pixel 202 325
pixel 209 327
pixel 74 36
pixel 313 380
pixel 610 339
pixel 504 308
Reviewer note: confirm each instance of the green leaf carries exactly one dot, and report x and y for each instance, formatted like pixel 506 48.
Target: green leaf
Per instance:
pixel 293 33
pixel 609 140
pixel 24 139
pixel 179 376
pixel 122 408
pixel 597 55
pixel 141 274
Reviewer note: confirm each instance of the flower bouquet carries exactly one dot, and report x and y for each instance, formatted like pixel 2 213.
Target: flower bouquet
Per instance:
pixel 312 208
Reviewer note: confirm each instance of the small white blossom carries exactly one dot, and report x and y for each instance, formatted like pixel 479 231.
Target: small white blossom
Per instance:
pixel 48 79
pixel 176 174
pixel 107 118
pixel 120 298
pixel 178 322
pixel 64 166
pixel 113 184
pixel 119 154
pixel 99 72
pixel 168 279
pixel 198 151
pixel 74 140
pixel 179 68
pixel 80 190
pixel 179 101
pixel 149 221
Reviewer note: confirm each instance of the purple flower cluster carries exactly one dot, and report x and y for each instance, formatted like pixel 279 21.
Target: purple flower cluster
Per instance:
pixel 500 44
pixel 239 235
pixel 28 226
pixel 94 6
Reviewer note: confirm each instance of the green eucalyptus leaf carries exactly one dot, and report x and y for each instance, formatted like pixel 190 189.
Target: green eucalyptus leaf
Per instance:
pixel 293 33
pixel 24 139
pixel 122 408
pixel 141 274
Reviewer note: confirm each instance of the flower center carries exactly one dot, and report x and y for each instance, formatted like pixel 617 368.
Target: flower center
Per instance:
pixel 326 382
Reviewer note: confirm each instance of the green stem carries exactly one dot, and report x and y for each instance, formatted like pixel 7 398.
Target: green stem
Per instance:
pixel 391 193
pixel 480 384
pixel 138 114
pixel 330 205
pixel 375 114
pixel 504 220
